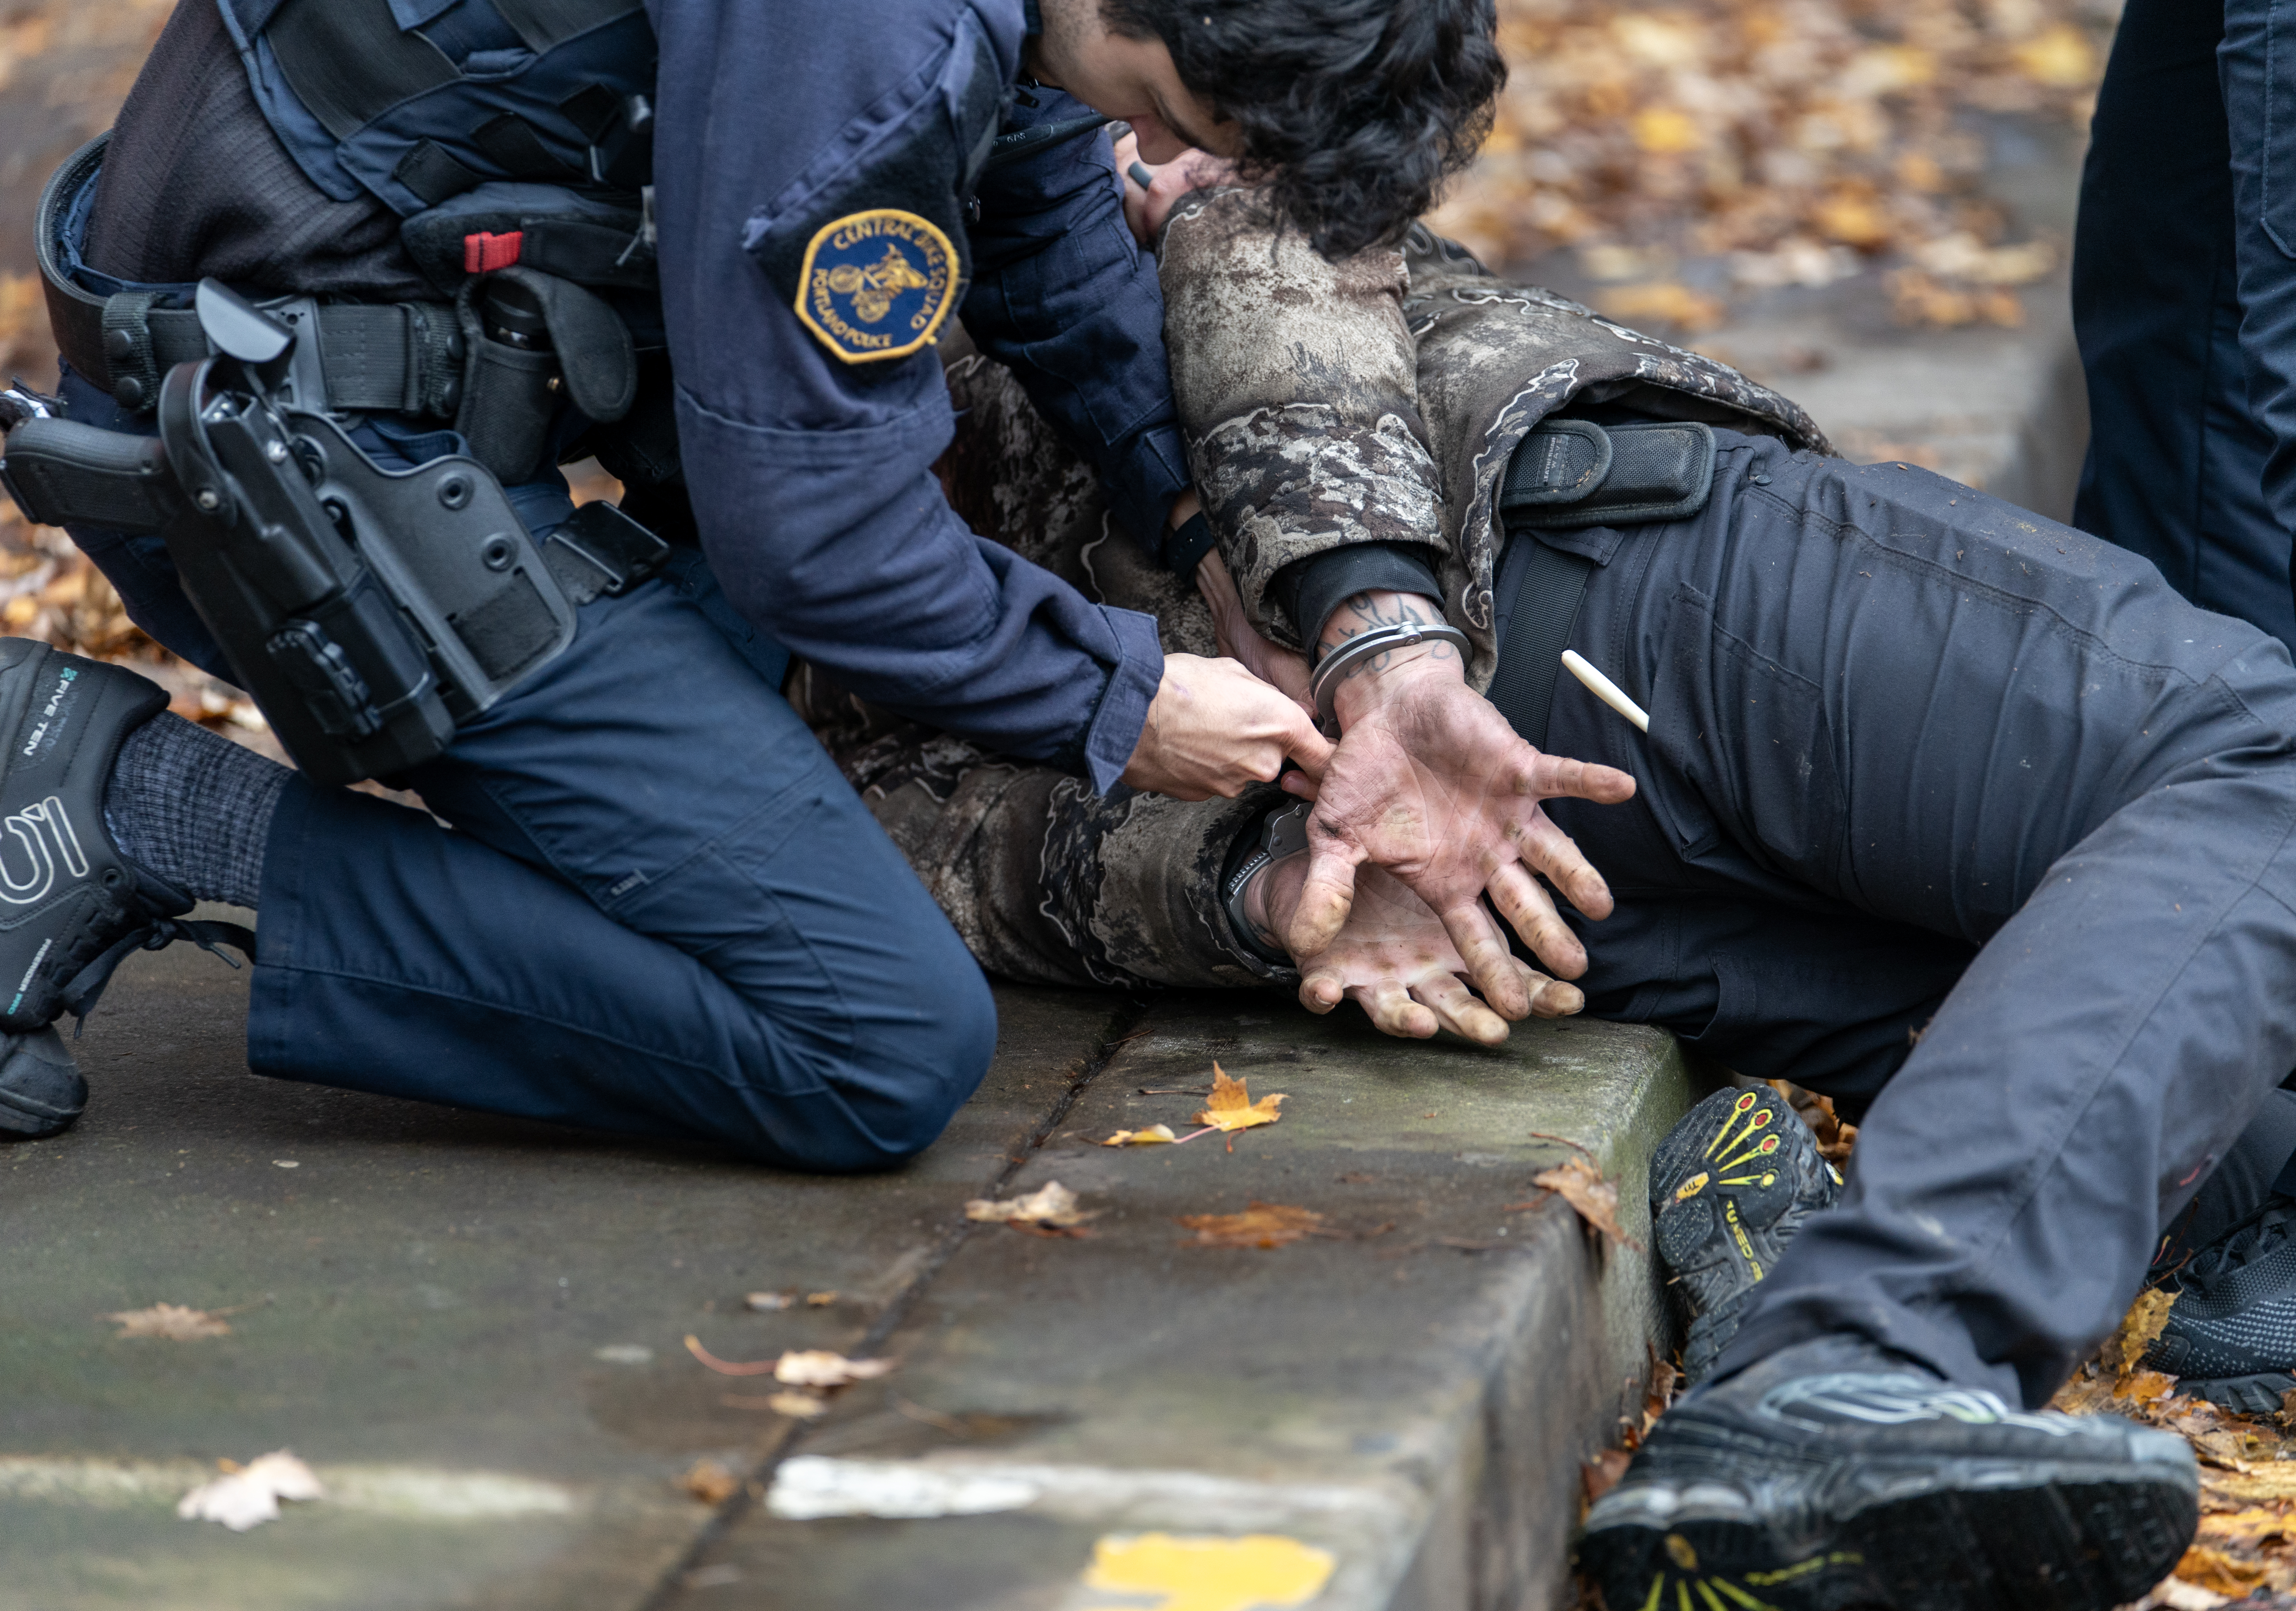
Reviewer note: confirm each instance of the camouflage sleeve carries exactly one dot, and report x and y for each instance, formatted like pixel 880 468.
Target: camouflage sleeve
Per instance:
pixel 1297 390
pixel 1047 883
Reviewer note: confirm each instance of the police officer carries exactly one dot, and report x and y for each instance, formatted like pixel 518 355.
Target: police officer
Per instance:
pixel 658 910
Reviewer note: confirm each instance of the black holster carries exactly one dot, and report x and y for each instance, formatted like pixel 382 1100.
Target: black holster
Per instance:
pixel 367 611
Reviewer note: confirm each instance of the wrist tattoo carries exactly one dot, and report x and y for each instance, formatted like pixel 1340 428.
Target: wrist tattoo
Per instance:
pixel 1364 612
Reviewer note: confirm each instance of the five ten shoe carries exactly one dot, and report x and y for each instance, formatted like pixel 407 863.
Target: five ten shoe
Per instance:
pixel 1835 1473
pixel 2231 1337
pixel 1729 1187
pixel 71 906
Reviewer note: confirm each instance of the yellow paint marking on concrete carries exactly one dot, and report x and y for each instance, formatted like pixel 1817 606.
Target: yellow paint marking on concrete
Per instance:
pixel 1259 1572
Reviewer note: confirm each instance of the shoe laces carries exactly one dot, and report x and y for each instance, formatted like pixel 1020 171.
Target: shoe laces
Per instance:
pixel 2240 1247
pixel 87 987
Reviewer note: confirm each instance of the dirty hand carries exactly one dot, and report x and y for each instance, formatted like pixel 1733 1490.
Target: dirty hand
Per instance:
pixel 1431 783
pixel 1146 206
pixel 1239 640
pixel 1393 958
pixel 1214 728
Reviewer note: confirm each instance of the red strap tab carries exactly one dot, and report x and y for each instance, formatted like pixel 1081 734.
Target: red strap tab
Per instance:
pixel 483 253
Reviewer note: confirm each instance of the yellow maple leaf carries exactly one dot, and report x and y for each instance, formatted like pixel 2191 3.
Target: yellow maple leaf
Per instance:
pixel 1262 1570
pixel 1231 1106
pixel 1149 1137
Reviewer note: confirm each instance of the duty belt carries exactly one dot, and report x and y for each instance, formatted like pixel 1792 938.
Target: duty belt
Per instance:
pixel 404 357
pixel 1568 475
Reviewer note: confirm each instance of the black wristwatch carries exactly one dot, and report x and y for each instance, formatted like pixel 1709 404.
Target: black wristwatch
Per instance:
pixel 1282 833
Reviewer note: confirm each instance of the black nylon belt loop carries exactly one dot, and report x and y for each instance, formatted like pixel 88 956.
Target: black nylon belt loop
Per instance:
pixel 1549 586
pixel 130 365
pixel 434 174
pixel 514 144
pixel 349 62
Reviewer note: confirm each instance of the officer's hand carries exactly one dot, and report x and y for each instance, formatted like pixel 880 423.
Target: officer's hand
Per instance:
pixel 1239 640
pixel 1147 205
pixel 1214 728
pixel 1430 782
pixel 1393 958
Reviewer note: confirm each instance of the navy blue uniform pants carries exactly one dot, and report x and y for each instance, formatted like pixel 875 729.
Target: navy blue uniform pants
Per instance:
pixel 2185 303
pixel 659 910
pixel 1955 808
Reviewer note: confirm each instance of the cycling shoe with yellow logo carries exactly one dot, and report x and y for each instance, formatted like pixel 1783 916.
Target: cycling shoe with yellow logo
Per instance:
pixel 1835 1473
pixel 1729 1187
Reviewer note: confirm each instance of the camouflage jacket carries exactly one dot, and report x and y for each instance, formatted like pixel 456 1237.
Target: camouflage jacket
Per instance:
pixel 1379 400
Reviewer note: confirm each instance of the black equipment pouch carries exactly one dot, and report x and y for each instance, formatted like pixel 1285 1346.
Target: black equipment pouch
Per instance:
pixel 1567 474
pixel 368 611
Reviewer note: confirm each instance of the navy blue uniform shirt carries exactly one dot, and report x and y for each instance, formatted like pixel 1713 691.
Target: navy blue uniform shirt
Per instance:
pixel 811 167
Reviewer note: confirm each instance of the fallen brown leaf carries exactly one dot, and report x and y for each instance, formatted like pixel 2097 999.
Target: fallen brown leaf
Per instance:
pixel 2220 1573
pixel 2145 1386
pixel 173 1321
pixel 1231 1108
pixel 1582 1186
pixel 820 1300
pixel 709 1482
pixel 2140 1328
pixel 797 1406
pixel 1599 1475
pixel 1141 1138
pixel 1050 1203
pixel 1259 1225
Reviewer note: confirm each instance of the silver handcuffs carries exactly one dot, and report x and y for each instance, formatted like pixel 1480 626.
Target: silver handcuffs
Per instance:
pixel 1282 833
pixel 1323 683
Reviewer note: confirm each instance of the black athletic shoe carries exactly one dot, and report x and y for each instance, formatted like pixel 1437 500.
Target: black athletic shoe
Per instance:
pixel 41 1092
pixel 1729 1187
pixel 71 906
pixel 2231 1337
pixel 1836 1474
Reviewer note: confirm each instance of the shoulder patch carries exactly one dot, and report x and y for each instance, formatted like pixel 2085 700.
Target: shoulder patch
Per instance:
pixel 877 284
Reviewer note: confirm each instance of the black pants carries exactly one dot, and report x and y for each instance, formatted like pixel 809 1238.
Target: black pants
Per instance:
pixel 1923 763
pixel 2184 216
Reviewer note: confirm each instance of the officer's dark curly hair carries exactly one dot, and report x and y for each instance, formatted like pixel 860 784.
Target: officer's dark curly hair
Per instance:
pixel 1353 111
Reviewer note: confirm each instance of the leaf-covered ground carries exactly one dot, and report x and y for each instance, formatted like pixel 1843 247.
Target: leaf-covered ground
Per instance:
pixel 1693 152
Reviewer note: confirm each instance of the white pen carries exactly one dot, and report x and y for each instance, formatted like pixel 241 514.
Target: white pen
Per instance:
pixel 1605 690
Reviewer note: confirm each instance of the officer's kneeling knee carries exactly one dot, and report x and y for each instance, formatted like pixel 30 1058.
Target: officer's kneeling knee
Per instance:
pixel 880 1114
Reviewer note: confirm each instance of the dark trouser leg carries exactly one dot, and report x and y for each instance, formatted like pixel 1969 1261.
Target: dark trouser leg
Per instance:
pixel 2176 468
pixel 1881 689
pixel 664 912
pixel 2257 75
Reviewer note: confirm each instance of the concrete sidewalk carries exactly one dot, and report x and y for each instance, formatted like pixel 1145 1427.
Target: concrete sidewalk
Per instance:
pixel 472 1328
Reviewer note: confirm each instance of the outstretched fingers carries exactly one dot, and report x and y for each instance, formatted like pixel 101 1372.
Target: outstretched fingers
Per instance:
pixel 1531 912
pixel 1548 776
pixel 1460 1011
pixel 1489 962
pixel 1394 1012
